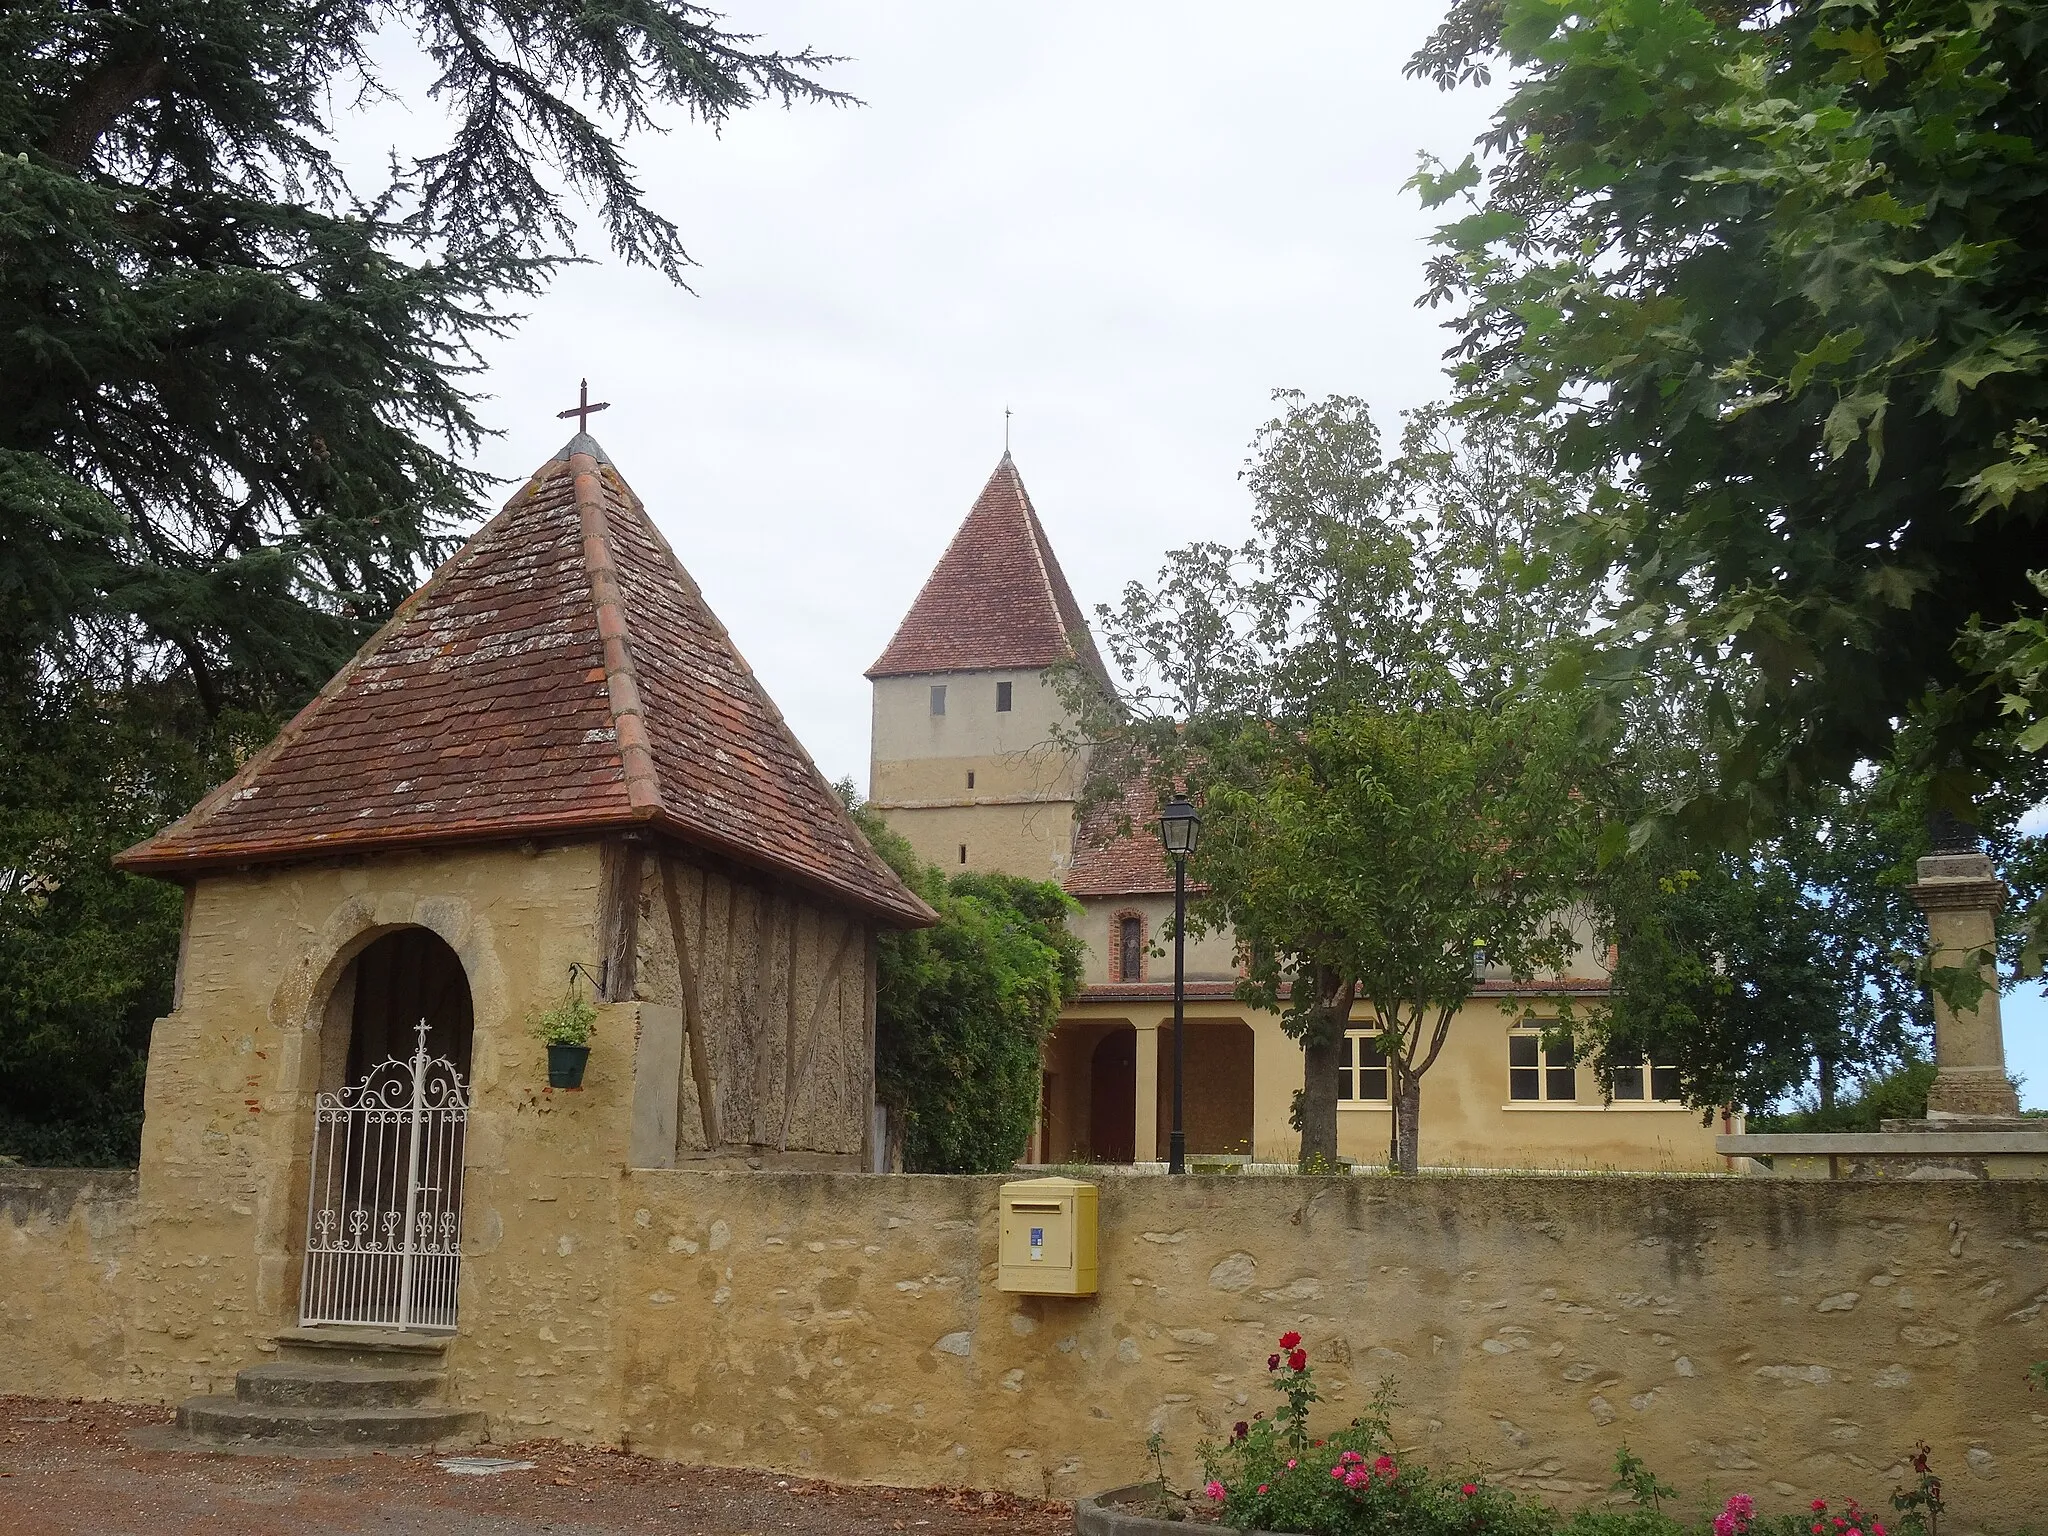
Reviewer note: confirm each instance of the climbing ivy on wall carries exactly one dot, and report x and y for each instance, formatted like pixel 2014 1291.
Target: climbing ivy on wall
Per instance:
pixel 963 1010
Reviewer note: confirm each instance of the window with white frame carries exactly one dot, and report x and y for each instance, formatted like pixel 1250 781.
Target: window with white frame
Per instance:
pixel 1540 1072
pixel 1361 1069
pixel 1648 1081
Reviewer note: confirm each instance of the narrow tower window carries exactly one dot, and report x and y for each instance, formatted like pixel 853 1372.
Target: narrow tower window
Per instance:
pixel 970 778
pixel 938 698
pixel 1131 943
pixel 963 853
pixel 1002 698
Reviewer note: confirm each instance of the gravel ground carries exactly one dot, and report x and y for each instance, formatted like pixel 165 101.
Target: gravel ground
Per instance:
pixel 107 1469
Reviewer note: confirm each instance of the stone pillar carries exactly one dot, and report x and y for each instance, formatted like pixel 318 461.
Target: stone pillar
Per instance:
pixel 1961 897
pixel 1145 1136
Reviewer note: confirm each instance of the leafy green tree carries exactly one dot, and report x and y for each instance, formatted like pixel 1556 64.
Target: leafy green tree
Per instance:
pixel 964 1009
pixel 238 397
pixel 1353 693
pixel 1777 273
pixel 87 955
pixel 1367 858
pixel 1900 1094
pixel 1797 963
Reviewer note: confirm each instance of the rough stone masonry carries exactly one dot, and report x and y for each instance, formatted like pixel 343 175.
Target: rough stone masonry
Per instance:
pixel 1743 1335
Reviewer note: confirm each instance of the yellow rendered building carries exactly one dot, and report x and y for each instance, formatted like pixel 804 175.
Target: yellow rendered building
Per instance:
pixel 965 765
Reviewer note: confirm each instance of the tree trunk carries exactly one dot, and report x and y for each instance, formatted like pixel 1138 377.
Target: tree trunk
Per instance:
pixel 1319 1100
pixel 1825 1070
pixel 100 101
pixel 1408 1124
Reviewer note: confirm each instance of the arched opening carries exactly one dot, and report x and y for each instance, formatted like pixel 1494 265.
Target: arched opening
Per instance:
pixel 384 1195
pixel 1216 1086
pixel 1113 1098
pixel 400 980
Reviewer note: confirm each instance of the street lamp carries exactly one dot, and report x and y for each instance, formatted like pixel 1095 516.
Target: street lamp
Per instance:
pixel 1179 829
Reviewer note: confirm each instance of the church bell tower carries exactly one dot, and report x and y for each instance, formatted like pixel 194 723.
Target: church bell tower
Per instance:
pixel 962 760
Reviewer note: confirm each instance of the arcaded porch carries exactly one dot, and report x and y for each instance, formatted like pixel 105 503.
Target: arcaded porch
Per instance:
pixel 1107 1093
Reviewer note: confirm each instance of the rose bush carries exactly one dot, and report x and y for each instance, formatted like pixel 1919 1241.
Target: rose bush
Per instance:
pixel 1273 1475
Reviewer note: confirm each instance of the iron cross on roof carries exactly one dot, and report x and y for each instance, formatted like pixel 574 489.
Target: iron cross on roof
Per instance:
pixel 583 409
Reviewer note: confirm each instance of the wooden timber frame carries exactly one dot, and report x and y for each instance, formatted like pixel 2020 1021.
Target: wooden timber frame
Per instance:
pixel 775 990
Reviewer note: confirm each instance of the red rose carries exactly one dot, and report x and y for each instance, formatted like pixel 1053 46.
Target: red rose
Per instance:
pixel 1272 1362
pixel 1290 1340
pixel 1297 1360
pixel 1239 1430
pixel 1469 1489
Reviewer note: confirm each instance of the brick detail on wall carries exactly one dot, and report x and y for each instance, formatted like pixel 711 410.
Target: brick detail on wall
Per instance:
pixel 1116 944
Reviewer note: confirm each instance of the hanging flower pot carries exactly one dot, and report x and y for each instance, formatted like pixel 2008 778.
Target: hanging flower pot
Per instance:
pixel 566 1064
pixel 565 1030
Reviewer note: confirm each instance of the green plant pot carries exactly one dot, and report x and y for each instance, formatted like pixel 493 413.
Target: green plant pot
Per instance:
pixel 566 1064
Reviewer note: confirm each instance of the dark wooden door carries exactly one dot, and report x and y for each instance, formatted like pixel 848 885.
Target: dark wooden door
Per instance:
pixel 1112 1098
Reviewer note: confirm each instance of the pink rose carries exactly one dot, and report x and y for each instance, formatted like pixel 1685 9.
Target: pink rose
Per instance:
pixel 1216 1491
pixel 1469 1489
pixel 1264 1489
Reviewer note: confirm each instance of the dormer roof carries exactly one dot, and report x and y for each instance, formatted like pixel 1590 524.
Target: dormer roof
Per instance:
pixel 560 674
pixel 997 601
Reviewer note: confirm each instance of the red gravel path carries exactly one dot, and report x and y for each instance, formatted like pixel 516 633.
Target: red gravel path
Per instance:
pixel 99 1468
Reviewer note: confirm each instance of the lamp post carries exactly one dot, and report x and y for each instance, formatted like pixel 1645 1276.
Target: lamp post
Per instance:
pixel 1179 827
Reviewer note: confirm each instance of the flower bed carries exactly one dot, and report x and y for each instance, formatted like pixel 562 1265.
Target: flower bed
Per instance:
pixel 1273 1475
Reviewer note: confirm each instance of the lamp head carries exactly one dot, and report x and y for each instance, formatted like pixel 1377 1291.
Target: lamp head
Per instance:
pixel 1179 826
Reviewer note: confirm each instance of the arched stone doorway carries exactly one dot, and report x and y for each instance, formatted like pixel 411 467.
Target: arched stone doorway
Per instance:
pixel 384 1206
pixel 405 977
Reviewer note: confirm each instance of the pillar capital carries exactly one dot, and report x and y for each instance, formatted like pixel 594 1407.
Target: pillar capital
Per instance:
pixel 1957 882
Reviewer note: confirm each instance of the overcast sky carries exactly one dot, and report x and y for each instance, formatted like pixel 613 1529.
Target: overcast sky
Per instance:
pixel 1128 223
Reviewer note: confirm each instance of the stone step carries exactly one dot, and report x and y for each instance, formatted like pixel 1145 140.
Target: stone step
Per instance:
pixel 365 1348
pixel 320 1384
pixel 229 1421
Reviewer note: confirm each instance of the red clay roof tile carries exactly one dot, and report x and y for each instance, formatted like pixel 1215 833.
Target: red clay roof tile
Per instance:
pixel 561 673
pixel 1106 863
pixel 996 601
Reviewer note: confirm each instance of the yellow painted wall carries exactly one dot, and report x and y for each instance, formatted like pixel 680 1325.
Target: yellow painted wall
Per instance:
pixel 1468 1120
pixel 1211 956
pixel 1783 1339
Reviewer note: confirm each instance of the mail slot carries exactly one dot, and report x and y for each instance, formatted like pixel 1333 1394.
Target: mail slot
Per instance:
pixel 1048 1238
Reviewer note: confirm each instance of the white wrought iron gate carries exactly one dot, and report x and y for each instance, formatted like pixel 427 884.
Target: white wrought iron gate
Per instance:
pixel 384 1211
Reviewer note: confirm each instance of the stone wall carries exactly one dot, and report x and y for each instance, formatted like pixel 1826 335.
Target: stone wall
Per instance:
pixel 1782 1339
pixel 1788 1341
pixel 67 1247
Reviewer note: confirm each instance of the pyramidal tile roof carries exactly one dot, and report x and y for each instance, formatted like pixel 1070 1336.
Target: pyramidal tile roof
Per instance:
pixel 997 600
pixel 561 673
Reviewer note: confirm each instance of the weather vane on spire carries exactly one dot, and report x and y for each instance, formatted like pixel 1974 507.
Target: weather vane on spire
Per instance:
pixel 1006 429
pixel 583 409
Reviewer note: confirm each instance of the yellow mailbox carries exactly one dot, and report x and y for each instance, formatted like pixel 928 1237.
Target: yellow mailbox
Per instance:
pixel 1048 1238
